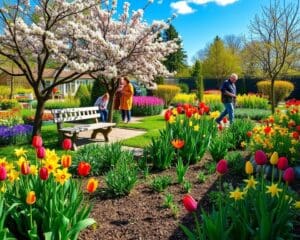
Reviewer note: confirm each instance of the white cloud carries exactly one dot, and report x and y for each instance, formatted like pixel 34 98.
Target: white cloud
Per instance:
pixel 160 1
pixel 219 2
pixel 182 7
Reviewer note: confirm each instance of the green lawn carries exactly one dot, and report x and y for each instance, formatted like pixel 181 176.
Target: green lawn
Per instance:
pixel 151 124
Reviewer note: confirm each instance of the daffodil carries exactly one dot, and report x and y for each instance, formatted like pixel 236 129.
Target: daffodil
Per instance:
pixel 172 119
pixel 20 161
pixel 190 123
pixel 251 183
pixel 196 128
pixel 33 170
pixel 273 190
pixel 13 175
pixel 237 194
pixel 20 152
pixel 61 176
pixel 214 114
pixel 297 204
pixel 248 168
pixel 292 150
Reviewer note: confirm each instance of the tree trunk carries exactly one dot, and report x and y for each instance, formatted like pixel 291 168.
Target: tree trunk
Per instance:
pixel 38 119
pixel 11 87
pixel 273 103
pixel 111 105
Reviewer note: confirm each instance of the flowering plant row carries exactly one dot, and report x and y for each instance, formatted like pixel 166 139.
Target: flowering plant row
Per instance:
pixel 257 209
pixel 43 201
pixel 147 105
pixel 17 134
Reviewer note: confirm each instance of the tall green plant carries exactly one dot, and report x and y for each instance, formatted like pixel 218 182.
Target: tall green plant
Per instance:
pixel 198 78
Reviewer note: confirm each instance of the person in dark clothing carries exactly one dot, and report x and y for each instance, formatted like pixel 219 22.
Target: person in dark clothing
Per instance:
pixel 228 91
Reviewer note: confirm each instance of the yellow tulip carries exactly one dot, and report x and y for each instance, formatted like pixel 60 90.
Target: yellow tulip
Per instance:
pixel 249 168
pixel 274 158
pixel 31 198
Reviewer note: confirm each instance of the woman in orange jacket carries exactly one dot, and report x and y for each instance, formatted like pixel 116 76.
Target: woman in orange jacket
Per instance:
pixel 126 99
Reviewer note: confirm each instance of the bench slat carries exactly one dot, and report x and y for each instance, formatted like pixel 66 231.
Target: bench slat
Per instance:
pixel 86 127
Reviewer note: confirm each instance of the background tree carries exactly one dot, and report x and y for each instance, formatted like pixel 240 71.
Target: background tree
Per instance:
pixel 275 37
pixel 220 62
pixel 198 78
pixel 176 60
pixel 234 43
pixel 124 46
pixel 38 33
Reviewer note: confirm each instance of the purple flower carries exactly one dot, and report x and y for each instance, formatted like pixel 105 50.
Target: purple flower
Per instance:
pixel 9 135
pixel 147 101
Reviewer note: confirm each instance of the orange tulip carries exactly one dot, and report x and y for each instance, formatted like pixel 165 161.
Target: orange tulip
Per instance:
pixel 25 168
pixel 31 198
pixel 92 185
pixel 177 143
pixel 66 161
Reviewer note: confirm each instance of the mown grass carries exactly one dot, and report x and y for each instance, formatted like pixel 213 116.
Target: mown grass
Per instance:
pixel 150 124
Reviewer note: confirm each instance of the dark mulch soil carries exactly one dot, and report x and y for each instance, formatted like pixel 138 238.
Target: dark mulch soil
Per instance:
pixel 141 214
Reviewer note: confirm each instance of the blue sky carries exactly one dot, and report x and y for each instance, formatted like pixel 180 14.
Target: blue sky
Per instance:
pixel 199 21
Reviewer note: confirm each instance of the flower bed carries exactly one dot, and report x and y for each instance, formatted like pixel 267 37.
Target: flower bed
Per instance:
pixel 17 134
pixel 147 106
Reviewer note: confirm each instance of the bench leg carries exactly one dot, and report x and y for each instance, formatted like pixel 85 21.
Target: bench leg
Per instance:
pixel 105 133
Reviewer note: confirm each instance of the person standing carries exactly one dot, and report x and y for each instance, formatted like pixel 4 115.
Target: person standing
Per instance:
pixel 102 102
pixel 126 100
pixel 228 91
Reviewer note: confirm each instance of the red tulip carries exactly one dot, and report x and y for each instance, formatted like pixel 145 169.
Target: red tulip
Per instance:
pixel 67 144
pixel 295 135
pixel 189 112
pixel 179 109
pixel 206 109
pixel 222 167
pixel 25 168
pixel 282 163
pixel 41 152
pixel 260 157
pixel 92 185
pixel 168 115
pixel 289 175
pixel 202 105
pixel 37 141
pixel 220 127
pixel 3 173
pixel 189 203
pixel 44 174
pixel 298 128
pixel 267 130
pixel 249 134
pixel 225 120
pixel 83 169
pixel 177 143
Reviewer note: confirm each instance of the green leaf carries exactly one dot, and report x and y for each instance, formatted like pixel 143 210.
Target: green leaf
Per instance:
pixel 80 226
pixel 187 232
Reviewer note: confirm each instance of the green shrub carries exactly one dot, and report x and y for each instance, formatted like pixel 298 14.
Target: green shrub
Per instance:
pixel 254 114
pixel 282 89
pixel 9 104
pixel 5 91
pixel 100 157
pixel 116 118
pixel 184 87
pixel 167 93
pixel 83 95
pixel 159 184
pixel 98 90
pixel 59 104
pixel 123 176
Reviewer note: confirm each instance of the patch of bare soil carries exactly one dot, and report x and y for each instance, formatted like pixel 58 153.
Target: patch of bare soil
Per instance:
pixel 141 215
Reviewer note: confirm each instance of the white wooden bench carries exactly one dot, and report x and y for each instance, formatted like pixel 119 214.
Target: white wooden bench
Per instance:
pixel 78 114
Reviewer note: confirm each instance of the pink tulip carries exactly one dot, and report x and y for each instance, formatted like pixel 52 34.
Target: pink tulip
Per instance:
pixel 41 152
pixel 222 167
pixel 282 163
pixel 289 175
pixel 3 173
pixel 67 144
pixel 189 203
pixel 260 157
pixel 37 141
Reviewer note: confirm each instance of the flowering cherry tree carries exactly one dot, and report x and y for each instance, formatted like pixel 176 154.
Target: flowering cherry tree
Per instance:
pixel 34 35
pixel 125 44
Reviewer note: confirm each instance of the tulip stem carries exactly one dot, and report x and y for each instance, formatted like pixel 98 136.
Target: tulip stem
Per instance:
pixel 197 224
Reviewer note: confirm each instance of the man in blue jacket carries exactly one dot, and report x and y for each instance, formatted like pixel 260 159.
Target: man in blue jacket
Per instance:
pixel 228 90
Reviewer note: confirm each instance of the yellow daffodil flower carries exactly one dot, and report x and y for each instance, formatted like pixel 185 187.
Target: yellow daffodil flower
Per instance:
pixel 13 175
pixel 297 204
pixel 214 114
pixel 61 176
pixel 20 152
pixel 251 183
pixel 292 150
pixel 20 161
pixel 196 128
pixel 248 168
pixel 51 166
pixel 273 190
pixel 190 123
pixel 33 170
pixel 237 194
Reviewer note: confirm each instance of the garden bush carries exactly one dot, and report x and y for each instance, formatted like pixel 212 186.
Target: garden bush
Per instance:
pixel 184 98
pixel 160 183
pixel 100 157
pixel 9 104
pixel 166 92
pixel 184 87
pixel 218 147
pixel 83 95
pixel 5 91
pixel 147 106
pixel 59 104
pixel 254 114
pixel 236 162
pixel 10 117
pixel 282 89
pixel 121 179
